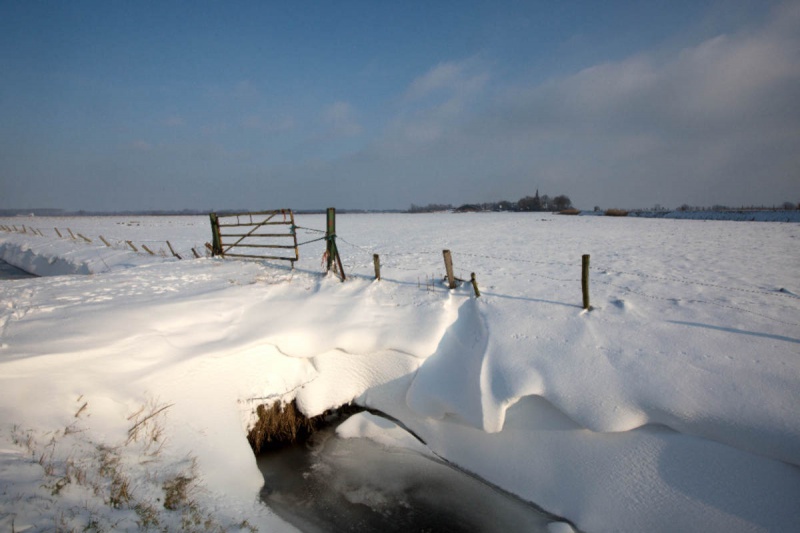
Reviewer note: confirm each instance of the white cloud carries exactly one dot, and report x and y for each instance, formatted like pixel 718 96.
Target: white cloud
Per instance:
pixel 442 76
pixel 436 102
pixel 748 79
pixel 717 122
pixel 340 118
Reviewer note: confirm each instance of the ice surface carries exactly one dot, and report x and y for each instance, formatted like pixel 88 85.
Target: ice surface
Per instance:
pixel 384 483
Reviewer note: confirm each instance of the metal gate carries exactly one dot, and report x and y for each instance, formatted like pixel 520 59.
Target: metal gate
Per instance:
pixel 255 235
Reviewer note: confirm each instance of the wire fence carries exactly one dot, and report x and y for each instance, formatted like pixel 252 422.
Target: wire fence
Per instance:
pixel 428 262
pixel 153 247
pixel 781 298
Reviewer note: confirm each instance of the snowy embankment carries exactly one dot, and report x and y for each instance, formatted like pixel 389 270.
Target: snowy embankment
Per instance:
pixel 671 406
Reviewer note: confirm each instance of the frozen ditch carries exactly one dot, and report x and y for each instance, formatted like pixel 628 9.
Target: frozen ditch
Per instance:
pixel 11 272
pixel 332 483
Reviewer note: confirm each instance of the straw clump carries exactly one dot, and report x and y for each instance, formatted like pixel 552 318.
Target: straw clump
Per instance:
pixel 278 425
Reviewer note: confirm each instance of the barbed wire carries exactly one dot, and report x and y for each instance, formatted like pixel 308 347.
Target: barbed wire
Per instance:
pixel 676 279
pixel 311 229
pixel 309 242
pixel 513 259
pixel 118 243
pixel 693 301
pixel 687 281
pixel 605 270
pixel 392 264
pixel 362 248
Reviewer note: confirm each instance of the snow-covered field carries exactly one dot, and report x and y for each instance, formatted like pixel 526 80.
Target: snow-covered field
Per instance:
pixel 671 406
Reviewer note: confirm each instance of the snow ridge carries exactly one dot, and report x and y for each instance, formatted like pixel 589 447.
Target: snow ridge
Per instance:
pixel 647 414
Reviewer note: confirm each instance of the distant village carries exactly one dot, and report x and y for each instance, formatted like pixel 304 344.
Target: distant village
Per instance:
pixel 528 203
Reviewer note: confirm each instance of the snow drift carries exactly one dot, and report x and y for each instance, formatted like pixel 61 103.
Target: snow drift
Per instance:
pixel 671 406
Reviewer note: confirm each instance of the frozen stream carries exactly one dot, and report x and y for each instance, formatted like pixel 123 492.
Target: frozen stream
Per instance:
pixel 10 272
pixel 335 484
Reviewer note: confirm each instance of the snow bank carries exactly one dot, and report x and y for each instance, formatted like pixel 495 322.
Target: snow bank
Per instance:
pixel 57 257
pixel 670 406
pixel 382 431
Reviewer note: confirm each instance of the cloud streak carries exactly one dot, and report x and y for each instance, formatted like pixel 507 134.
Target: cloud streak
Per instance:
pixel 340 119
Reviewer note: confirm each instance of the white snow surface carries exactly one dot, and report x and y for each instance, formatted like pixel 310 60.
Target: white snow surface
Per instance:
pixel 671 406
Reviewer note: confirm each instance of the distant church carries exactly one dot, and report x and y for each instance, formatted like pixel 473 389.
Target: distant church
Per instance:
pixel 537 202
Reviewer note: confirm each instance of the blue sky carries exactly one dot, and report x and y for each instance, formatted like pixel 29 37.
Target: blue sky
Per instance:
pixel 258 105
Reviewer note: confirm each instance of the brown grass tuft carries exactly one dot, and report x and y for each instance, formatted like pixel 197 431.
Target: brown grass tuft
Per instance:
pixel 616 213
pixel 279 424
pixel 177 491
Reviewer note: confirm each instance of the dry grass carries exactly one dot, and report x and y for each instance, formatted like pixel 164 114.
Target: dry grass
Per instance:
pixel 147 515
pixel 570 212
pixel 125 476
pixel 148 427
pixel 179 489
pixel 616 213
pixel 279 424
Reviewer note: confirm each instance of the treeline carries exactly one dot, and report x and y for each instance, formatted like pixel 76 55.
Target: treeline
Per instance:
pixel 527 203
pixel 658 208
pixel 785 206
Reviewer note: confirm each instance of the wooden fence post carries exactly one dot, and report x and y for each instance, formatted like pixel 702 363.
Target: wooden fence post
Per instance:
pixel 585 281
pixel 132 246
pixel 475 285
pixel 377 261
pixel 71 234
pixel 448 265
pixel 330 235
pixel 196 255
pixel 58 233
pixel 331 250
pixel 84 238
pixel 105 241
pixel 216 247
pixel 173 251
pixel 148 250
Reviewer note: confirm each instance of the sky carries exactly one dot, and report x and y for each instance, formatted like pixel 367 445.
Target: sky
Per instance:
pixel 378 105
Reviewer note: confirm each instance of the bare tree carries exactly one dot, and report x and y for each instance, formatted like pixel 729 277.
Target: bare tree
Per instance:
pixel 561 202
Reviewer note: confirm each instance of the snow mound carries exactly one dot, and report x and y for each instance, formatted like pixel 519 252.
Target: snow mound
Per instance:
pixel 670 406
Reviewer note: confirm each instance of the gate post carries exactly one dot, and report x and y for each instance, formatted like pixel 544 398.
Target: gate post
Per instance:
pixel 330 235
pixel 216 246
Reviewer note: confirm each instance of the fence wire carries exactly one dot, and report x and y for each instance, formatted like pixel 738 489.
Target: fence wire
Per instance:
pixel 393 260
pixel 387 260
